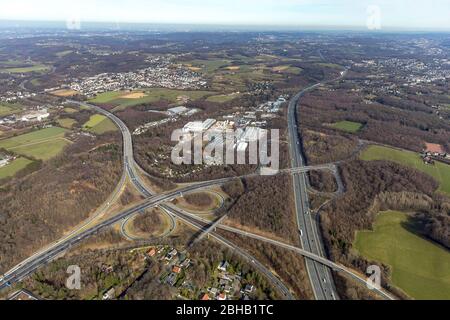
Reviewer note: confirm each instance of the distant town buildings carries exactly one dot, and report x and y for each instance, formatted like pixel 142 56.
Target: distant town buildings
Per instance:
pixel 162 73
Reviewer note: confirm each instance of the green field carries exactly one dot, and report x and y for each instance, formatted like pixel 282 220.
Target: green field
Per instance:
pixel 222 98
pixel 151 95
pixel 67 123
pixel 12 168
pixel 419 267
pixel 99 124
pixel 209 66
pixel 62 54
pixel 34 68
pixel 294 70
pixel 41 144
pixel 238 78
pixel 36 82
pixel 348 126
pixel 43 150
pixel 106 97
pixel 330 65
pixel 6 110
pixel 70 110
pixel 439 171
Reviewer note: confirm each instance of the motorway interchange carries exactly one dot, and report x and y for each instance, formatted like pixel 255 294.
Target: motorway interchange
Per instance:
pixel 318 266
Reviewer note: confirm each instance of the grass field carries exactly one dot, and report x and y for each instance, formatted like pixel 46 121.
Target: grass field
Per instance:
pixel 34 68
pixel 12 168
pixel 64 93
pixel 6 110
pixel 62 54
pixel 123 100
pixel 67 123
pixel 41 144
pixel 287 69
pixel 36 82
pixel 43 150
pixel 70 110
pixel 208 66
pixel 99 124
pixel 237 79
pixel 419 267
pixel 330 65
pixel 348 126
pixel 439 171
pixel 223 98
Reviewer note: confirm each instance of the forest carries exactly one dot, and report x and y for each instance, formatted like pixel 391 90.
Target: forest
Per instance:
pixel 38 208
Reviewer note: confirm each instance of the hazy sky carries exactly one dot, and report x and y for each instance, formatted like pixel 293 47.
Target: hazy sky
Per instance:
pixel 411 14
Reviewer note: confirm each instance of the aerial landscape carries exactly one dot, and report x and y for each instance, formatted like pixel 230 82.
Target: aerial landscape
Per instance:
pixel 202 161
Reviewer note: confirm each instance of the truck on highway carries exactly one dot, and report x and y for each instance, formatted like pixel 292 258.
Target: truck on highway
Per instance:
pixel 301 232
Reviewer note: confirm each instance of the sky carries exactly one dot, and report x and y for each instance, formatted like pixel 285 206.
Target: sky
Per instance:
pixel 375 14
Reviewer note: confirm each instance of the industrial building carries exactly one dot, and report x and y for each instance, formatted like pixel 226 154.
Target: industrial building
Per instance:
pixel 38 115
pixel 199 126
pixel 177 111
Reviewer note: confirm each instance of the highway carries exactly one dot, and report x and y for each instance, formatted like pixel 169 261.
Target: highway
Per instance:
pixel 30 265
pixel 320 276
pixel 131 168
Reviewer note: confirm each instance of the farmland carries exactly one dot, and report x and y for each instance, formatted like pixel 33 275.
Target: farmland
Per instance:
pixel 67 123
pixel 70 110
pixel 12 168
pixel 223 97
pixel 41 144
pixel 8 109
pixel 287 69
pixel 419 267
pixel 207 66
pixel 347 126
pixel 122 100
pixel 439 171
pixel 99 124
pixel 34 68
pixel 64 93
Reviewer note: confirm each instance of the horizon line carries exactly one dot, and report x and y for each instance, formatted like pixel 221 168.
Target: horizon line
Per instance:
pixel 337 27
